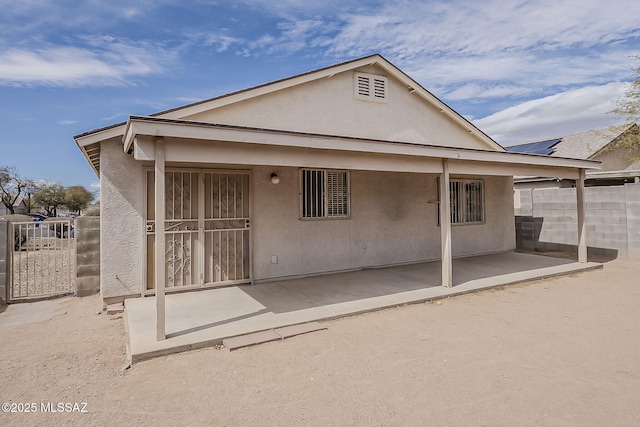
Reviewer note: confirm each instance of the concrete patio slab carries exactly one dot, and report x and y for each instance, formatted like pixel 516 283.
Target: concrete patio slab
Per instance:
pixel 204 318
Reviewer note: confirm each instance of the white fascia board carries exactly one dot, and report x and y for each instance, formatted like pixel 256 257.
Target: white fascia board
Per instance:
pixel 444 108
pixel 159 127
pixel 128 138
pixel 614 174
pixel 101 135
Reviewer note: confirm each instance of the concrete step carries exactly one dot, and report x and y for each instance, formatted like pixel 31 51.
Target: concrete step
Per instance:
pixel 277 334
pixel 115 308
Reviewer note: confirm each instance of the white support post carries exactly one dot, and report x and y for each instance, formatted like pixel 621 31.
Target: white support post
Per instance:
pixel 160 239
pixel 445 226
pixel 582 227
pixel 201 213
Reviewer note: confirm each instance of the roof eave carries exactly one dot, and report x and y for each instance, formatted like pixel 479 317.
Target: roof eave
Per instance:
pixel 152 126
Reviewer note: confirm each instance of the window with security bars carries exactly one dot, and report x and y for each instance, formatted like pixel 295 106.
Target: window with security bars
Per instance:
pixel 325 194
pixel 466 201
pixel 370 87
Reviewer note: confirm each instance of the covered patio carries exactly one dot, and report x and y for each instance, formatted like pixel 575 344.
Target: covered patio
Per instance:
pixel 204 318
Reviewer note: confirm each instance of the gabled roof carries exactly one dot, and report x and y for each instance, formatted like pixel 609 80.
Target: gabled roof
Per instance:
pixel 88 142
pixel 583 145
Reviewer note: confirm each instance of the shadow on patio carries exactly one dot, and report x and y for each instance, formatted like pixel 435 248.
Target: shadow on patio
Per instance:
pixel 205 318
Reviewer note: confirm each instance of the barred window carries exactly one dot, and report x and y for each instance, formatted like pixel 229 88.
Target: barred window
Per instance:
pixel 325 193
pixel 466 201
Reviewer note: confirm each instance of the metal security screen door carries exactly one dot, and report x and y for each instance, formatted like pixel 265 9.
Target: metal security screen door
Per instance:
pixel 206 229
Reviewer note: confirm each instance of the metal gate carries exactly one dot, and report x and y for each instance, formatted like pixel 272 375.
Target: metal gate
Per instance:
pixel 42 259
pixel 207 241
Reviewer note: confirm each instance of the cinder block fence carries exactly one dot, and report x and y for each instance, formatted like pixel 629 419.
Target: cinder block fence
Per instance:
pixel 87 235
pixel 546 219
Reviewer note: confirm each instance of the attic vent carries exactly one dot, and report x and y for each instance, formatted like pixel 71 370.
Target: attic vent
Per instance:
pixel 370 87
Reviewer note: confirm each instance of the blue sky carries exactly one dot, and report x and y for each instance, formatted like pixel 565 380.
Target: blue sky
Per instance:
pixel 520 70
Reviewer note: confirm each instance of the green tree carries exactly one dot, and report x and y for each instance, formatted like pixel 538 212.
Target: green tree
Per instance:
pixel 628 108
pixel 12 186
pixel 50 197
pixel 77 198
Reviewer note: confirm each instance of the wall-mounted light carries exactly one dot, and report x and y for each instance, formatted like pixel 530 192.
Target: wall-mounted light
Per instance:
pixel 275 179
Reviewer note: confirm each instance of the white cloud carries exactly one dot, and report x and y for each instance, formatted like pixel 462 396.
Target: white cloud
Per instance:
pixel 104 62
pixel 466 49
pixel 112 117
pixel 561 114
pixel 68 66
pixel 67 122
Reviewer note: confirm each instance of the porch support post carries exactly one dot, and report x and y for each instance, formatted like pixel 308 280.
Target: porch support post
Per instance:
pixel 160 238
pixel 445 226
pixel 582 227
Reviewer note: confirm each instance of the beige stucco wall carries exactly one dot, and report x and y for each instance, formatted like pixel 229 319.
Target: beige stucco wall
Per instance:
pixel 311 107
pixel 498 231
pixel 618 159
pixel 122 222
pixel 393 220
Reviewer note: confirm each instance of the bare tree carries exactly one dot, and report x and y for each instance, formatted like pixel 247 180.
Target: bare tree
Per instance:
pixel 12 186
pixel 628 108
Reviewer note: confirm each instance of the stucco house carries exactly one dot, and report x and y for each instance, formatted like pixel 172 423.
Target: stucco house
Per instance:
pixel 337 169
pixel 19 207
pixel 618 166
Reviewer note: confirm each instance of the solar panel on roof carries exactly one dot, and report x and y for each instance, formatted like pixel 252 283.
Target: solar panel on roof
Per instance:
pixel 538 147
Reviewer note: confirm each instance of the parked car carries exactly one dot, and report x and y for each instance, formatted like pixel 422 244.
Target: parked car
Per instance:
pixel 61 229
pixel 37 216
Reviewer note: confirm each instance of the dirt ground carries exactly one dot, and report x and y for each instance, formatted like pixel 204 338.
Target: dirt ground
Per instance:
pixel 564 351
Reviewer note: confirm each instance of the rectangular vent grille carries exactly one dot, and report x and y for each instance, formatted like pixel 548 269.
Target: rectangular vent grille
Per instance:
pixel 379 88
pixel 370 87
pixel 363 86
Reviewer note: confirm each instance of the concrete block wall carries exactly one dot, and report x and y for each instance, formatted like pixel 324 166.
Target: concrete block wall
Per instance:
pixel 632 192
pixel 87 235
pixel 546 219
pixel 5 247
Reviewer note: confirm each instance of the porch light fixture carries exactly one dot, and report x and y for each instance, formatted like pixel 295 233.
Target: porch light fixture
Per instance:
pixel 275 179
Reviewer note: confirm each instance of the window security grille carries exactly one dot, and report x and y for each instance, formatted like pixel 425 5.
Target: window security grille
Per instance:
pixel 466 201
pixel 325 194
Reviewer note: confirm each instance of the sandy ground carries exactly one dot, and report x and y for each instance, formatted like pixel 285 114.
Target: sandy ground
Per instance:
pixel 557 352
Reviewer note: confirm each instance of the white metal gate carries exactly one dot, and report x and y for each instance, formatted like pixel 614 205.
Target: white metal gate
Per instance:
pixel 42 259
pixel 206 229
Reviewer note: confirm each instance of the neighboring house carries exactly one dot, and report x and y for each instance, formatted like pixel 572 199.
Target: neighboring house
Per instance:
pixel 603 145
pixel 334 170
pixel 544 207
pixel 19 207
